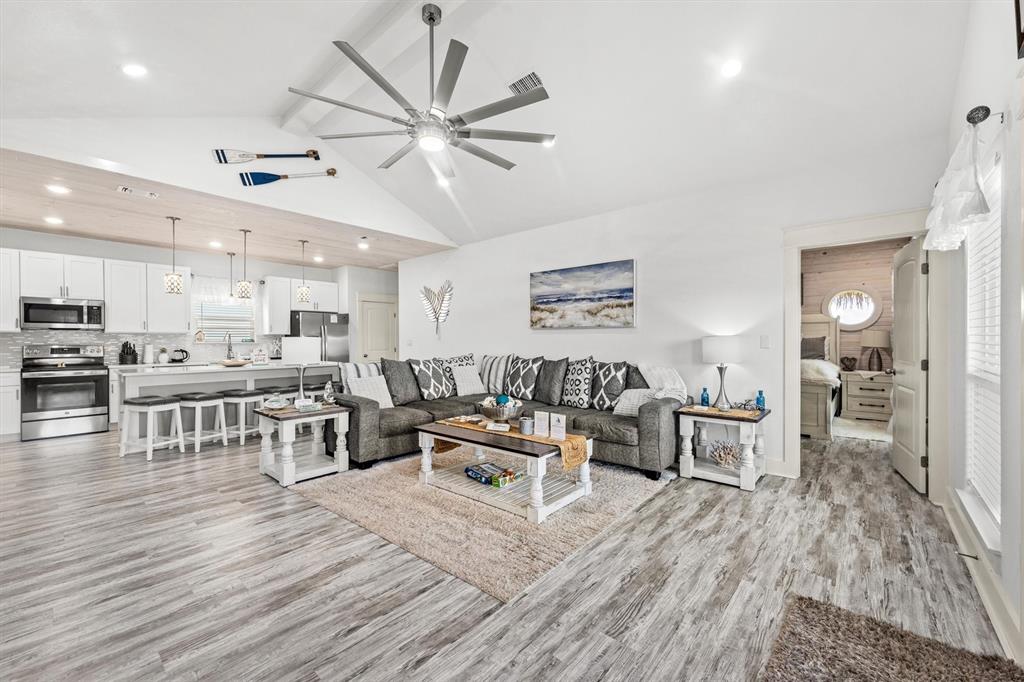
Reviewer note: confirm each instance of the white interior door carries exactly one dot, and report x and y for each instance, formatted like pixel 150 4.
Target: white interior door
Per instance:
pixel 909 355
pixel 378 330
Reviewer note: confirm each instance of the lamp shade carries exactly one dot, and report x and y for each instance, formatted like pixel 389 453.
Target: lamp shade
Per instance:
pixel 721 350
pixel 875 338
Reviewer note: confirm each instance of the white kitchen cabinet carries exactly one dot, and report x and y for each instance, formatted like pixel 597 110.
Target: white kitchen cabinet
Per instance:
pixel 10 290
pixel 276 305
pixel 115 396
pixel 55 275
pixel 125 296
pixel 10 403
pixel 167 313
pixel 323 296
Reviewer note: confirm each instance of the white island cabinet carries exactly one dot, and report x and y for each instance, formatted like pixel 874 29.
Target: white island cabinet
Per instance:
pixel 55 275
pixel 10 290
pixel 167 313
pixel 125 296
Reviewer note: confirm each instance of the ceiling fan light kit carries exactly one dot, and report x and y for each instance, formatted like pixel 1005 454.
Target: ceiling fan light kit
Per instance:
pixel 433 130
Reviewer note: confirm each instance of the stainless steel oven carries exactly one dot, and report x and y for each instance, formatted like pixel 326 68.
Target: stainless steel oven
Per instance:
pixel 61 313
pixel 64 391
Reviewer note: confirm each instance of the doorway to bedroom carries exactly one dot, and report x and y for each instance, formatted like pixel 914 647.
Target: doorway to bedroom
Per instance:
pixel 846 354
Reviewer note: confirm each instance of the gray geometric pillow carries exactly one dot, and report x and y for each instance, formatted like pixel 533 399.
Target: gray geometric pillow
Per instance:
pixel 432 379
pixel 609 383
pixel 521 380
pixel 576 389
pixel 456 361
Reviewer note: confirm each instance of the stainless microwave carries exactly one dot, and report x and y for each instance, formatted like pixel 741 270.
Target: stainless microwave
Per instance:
pixel 61 313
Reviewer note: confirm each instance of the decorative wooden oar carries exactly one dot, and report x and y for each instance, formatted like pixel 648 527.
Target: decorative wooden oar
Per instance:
pixel 238 156
pixel 250 179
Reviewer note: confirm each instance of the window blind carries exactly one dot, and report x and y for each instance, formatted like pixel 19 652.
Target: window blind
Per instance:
pixel 218 314
pixel 983 254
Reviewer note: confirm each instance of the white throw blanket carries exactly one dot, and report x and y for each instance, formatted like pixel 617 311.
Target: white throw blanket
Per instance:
pixel 820 372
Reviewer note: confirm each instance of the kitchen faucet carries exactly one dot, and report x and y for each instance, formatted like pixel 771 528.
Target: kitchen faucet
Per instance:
pixel 231 351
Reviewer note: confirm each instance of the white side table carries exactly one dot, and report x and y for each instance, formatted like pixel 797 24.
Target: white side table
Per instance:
pixel 290 468
pixel 752 453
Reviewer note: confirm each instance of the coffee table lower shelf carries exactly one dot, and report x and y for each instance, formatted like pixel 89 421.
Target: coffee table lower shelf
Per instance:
pixel 558 490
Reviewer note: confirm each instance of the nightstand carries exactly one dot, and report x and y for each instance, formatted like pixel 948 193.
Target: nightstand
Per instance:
pixel 866 396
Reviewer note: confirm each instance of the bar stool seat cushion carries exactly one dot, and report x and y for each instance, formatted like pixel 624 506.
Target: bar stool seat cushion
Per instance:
pixel 276 389
pixel 313 387
pixel 152 400
pixel 242 393
pixel 199 397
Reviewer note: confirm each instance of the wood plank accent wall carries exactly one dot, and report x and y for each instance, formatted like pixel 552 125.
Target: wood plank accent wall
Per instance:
pixel 867 266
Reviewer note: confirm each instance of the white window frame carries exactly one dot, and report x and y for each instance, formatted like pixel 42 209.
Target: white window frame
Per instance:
pixel 215 292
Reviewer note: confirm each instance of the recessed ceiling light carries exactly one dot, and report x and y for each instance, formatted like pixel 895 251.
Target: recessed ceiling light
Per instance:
pixel 53 220
pixel 731 68
pixel 363 244
pixel 134 70
pixel 215 245
pixel 318 259
pixel 58 189
pixel 443 181
pixel 549 143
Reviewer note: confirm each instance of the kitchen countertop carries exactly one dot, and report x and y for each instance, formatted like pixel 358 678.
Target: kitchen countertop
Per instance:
pixel 217 368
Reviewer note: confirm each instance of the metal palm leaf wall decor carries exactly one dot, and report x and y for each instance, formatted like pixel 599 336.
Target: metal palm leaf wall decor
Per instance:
pixel 437 304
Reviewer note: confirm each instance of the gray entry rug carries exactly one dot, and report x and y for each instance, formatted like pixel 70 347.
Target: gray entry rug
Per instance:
pixel 498 552
pixel 819 641
pixel 861 428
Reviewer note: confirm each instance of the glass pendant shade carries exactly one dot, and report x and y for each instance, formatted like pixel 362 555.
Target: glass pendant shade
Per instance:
pixel 302 294
pixel 174 283
pixel 243 288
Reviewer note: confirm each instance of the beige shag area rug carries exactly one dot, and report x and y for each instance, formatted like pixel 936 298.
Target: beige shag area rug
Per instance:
pixel 498 552
pixel 819 641
pixel 861 428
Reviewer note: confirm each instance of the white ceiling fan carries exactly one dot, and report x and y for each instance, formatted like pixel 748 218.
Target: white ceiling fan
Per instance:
pixel 434 130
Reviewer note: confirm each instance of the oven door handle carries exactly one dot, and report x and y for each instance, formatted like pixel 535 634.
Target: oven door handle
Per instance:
pixel 79 373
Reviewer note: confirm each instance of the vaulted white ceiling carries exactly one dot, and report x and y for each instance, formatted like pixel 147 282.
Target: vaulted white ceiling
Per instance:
pixel 637 100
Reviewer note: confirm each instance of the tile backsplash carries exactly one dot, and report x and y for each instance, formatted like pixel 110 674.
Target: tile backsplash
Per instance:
pixel 10 344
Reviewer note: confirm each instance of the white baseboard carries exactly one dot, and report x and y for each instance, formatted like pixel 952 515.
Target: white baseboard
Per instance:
pixel 993 596
pixel 778 467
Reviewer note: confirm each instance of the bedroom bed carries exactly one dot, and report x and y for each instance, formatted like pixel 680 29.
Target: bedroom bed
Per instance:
pixel 819 377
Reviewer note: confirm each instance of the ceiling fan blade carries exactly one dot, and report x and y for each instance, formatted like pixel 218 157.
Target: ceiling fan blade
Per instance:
pixel 441 163
pixel 499 107
pixel 347 136
pixel 449 76
pixel 377 78
pixel 483 154
pixel 390 161
pixel 346 105
pixel 509 135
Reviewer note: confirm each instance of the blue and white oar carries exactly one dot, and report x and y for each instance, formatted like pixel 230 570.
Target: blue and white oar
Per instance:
pixel 250 179
pixel 238 156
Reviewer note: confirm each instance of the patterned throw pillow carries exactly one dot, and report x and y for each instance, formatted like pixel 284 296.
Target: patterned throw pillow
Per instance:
pixel 609 382
pixel 576 389
pixel 521 381
pixel 467 381
pixel 432 379
pixel 357 370
pixel 493 369
pixel 456 361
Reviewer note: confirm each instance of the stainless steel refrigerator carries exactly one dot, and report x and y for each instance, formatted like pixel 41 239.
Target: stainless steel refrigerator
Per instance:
pixel 330 328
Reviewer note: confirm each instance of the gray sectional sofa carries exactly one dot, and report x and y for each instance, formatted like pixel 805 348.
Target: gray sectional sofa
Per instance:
pixel 646 442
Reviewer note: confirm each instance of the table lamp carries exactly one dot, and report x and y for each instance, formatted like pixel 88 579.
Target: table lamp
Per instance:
pixel 721 350
pixel 875 339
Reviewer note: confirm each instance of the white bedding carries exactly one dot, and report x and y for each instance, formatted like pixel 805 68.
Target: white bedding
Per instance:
pixel 820 372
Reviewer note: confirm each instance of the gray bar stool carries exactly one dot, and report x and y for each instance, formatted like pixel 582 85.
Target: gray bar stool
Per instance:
pixel 242 398
pixel 150 405
pixel 198 401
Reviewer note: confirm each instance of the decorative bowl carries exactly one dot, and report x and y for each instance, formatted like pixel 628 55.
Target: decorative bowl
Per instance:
pixel 502 413
pixel 234 363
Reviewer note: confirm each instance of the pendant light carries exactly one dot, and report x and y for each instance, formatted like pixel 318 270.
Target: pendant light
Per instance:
pixel 302 293
pixel 243 288
pixel 174 283
pixel 231 275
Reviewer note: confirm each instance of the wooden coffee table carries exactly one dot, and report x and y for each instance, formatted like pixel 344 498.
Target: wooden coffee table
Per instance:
pixel 536 497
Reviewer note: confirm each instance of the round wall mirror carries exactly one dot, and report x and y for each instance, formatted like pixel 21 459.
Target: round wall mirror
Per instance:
pixel 855 308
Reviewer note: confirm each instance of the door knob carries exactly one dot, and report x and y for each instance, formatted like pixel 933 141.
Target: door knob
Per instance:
pixel 365 355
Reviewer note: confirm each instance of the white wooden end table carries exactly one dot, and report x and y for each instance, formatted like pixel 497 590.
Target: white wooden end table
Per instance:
pixel 291 468
pixel 752 448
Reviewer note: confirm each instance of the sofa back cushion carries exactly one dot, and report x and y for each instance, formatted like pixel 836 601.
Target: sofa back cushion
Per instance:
pixel 493 370
pixel 521 381
pixel 374 388
pixel 432 379
pixel 609 381
pixel 401 381
pixel 550 381
pixel 635 378
pixel 576 387
pixel 357 370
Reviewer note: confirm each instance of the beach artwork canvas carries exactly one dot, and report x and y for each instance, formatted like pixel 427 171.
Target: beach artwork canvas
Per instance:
pixel 599 295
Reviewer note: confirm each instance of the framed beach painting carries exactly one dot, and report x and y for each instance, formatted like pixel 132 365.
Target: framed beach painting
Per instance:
pixel 584 297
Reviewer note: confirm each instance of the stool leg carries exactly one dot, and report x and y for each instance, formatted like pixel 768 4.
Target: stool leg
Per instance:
pixel 174 431
pixel 124 432
pixel 241 423
pixel 181 430
pixel 198 433
pixel 150 427
pixel 223 423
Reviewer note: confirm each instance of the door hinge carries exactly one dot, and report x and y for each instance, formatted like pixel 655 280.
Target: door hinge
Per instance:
pixel 924 268
pixel 924 365
pixel 924 461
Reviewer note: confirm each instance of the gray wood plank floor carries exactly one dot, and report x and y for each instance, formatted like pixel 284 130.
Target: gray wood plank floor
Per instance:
pixel 199 568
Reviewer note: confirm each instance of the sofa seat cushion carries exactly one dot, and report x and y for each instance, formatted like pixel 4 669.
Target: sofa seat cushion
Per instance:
pixel 608 427
pixel 531 406
pixel 471 399
pixel 397 421
pixel 443 408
